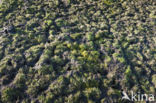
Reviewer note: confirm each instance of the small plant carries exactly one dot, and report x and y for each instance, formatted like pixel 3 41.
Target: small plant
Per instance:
pixel 128 76
pixel 60 22
pixel 48 22
pixel 85 54
pixel 90 36
pixel 108 2
pixel 75 36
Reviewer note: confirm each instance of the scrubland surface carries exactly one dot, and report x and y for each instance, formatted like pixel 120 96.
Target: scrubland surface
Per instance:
pixel 76 51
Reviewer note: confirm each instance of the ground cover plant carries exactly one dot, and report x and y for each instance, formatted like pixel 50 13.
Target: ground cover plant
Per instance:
pixel 76 51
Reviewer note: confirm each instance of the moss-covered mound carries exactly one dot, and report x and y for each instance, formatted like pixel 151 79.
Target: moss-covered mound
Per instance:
pixel 76 51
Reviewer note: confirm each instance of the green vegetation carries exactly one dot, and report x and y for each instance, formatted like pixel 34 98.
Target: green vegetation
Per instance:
pixel 10 95
pixel 76 51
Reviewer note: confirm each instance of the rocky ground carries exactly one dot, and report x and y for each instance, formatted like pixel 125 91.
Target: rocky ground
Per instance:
pixel 76 51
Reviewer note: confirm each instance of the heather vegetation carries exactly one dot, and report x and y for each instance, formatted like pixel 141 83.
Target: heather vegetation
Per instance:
pixel 76 51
